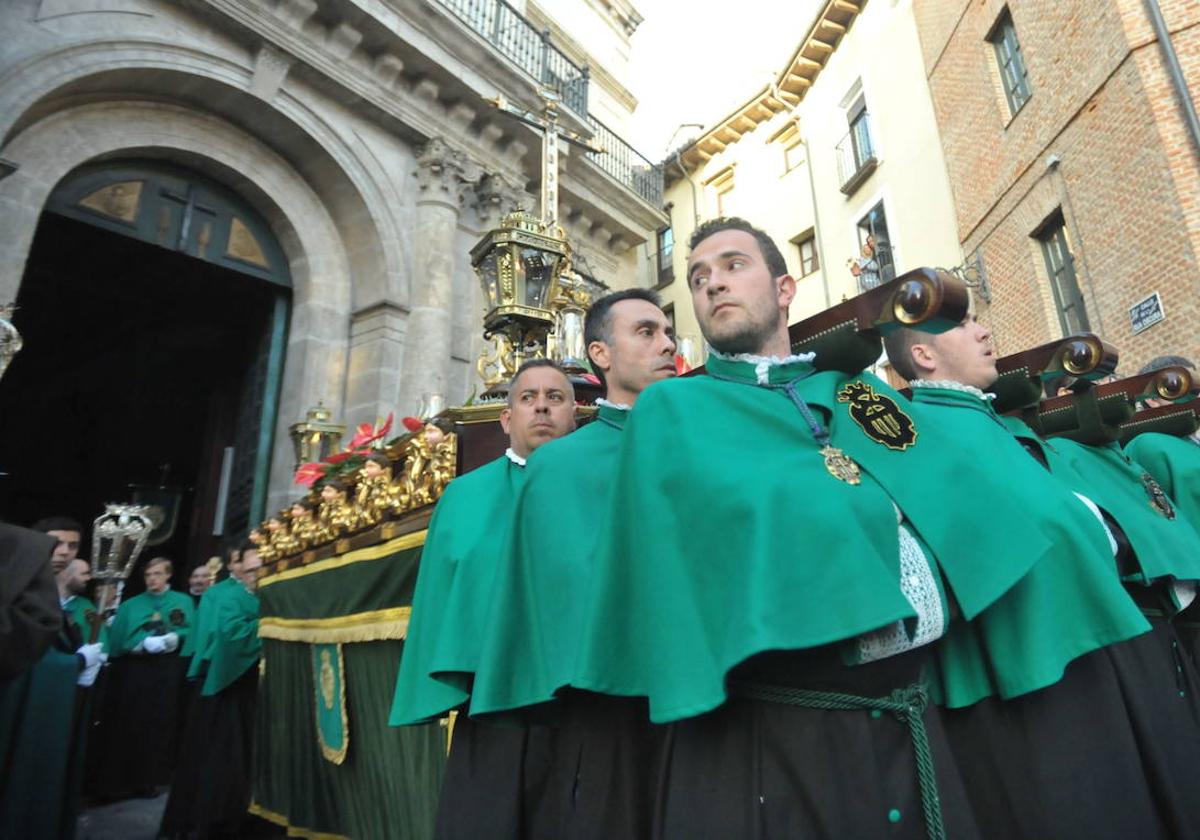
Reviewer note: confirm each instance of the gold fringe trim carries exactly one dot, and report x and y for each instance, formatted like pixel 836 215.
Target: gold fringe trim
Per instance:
pixel 292 830
pixel 337 756
pixel 374 552
pixel 373 626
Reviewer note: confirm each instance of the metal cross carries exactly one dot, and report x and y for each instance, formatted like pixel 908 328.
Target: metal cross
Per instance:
pixel 547 124
pixel 190 206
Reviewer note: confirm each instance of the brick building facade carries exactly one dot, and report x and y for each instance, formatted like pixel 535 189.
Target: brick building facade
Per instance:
pixel 1073 170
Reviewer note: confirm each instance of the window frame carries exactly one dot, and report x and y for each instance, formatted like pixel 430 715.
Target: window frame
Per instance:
pixel 808 238
pixel 665 274
pixel 1054 240
pixel 1010 62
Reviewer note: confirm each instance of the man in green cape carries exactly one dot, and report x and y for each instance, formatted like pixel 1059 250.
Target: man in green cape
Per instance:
pixel 766 577
pixel 1099 749
pixel 72 583
pixel 1174 462
pixel 41 724
pixel 211 791
pixel 144 698
pixel 454 591
pixel 602 756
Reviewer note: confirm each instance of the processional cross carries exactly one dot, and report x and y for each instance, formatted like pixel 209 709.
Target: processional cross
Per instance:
pixel 547 125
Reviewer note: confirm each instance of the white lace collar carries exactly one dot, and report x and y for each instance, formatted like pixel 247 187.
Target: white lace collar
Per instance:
pixel 514 457
pixel 610 404
pixel 950 385
pixel 763 364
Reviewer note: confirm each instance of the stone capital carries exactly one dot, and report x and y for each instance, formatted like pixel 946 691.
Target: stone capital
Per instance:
pixel 499 194
pixel 445 175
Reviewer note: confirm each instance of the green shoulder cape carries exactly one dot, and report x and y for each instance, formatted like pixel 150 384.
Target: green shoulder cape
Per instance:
pixel 1175 464
pixel 80 610
pixel 234 646
pixel 726 534
pixel 531 639
pixel 454 590
pixel 148 614
pixel 1069 604
pixel 199 642
pixel 1165 548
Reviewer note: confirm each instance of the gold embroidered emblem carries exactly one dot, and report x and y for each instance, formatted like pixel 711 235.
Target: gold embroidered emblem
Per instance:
pixel 878 416
pixel 1158 497
pixel 327 679
pixel 840 465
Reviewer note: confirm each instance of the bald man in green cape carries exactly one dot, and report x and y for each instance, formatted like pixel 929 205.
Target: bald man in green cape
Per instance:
pixel 1100 748
pixel 482 792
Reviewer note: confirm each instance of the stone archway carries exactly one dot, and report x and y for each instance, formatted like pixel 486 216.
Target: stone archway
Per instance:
pixel 317 348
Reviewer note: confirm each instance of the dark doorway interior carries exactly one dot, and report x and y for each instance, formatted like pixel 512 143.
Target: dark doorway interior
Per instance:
pixel 135 357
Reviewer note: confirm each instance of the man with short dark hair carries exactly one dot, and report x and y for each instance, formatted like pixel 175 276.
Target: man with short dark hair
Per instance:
pixel 1074 614
pixel 69 534
pixel 211 791
pixel 454 592
pixel 778 555
pixel 596 779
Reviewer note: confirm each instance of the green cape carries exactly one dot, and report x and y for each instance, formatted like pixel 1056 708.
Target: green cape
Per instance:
pixel 141 615
pixel 1175 464
pixel 454 590
pixel 727 536
pixel 1069 604
pixel 78 610
pixel 1165 548
pixel 234 646
pixel 199 642
pixel 536 616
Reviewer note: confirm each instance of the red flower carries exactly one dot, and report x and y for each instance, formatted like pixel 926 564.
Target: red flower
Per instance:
pixel 681 365
pixel 368 434
pixel 592 378
pixel 309 474
pixel 413 424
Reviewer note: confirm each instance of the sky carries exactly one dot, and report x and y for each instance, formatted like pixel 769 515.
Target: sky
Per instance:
pixel 692 65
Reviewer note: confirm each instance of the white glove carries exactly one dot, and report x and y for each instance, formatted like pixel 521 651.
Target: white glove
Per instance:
pixel 93 658
pixel 170 642
pixel 154 644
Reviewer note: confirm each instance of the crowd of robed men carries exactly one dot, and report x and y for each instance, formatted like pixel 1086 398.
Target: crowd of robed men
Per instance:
pixel 113 704
pixel 777 601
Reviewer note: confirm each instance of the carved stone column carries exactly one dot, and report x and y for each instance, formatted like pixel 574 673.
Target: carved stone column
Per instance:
pixel 444 178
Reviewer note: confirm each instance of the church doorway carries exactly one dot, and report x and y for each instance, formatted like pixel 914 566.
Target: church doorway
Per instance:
pixel 153 311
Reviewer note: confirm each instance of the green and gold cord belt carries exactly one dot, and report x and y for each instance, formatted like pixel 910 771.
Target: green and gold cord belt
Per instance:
pixel 906 704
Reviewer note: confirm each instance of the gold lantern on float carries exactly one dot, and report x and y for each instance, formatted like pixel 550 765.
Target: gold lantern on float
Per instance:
pixel 316 437
pixel 519 265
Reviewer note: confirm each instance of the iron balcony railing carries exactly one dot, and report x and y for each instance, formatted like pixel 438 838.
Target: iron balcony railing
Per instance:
pixel 623 162
pixel 856 154
pixel 531 50
pixel 518 39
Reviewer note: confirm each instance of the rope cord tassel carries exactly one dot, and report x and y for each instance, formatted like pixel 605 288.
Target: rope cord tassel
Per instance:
pixel 908 707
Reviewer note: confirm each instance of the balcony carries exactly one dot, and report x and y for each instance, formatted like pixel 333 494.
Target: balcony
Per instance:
pixel 856 155
pixel 624 163
pixel 519 41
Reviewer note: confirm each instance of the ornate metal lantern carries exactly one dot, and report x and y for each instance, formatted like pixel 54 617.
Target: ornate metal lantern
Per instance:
pixel 519 265
pixel 118 537
pixel 316 437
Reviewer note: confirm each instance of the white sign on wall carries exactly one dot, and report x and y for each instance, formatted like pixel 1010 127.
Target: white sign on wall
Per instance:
pixel 1146 313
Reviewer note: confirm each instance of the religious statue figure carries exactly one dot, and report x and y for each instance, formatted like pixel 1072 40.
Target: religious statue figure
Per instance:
pixel 302 532
pixel 374 496
pixel 338 516
pixel 258 536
